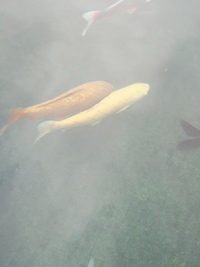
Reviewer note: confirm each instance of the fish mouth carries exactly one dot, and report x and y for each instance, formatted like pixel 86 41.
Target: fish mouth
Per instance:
pixel 146 88
pixel 143 88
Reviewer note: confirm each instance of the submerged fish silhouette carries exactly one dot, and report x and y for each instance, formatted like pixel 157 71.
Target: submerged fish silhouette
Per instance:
pixel 73 101
pixel 189 144
pixel 116 102
pixel 129 5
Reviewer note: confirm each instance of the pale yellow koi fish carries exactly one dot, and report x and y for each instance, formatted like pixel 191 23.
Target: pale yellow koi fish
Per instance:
pixel 73 101
pixel 116 102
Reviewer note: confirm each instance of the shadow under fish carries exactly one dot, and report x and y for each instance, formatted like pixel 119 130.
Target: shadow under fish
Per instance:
pixel 192 131
pixel 73 101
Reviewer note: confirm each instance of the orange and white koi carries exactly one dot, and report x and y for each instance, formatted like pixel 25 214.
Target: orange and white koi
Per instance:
pixel 116 102
pixel 129 5
pixel 73 101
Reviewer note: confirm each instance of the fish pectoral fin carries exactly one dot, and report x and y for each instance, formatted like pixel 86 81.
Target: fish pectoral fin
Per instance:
pixel 91 263
pixel 96 122
pixel 87 27
pixel 122 109
pixel 44 128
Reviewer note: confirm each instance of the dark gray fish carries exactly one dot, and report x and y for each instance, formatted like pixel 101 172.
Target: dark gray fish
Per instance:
pixel 190 129
pixel 189 144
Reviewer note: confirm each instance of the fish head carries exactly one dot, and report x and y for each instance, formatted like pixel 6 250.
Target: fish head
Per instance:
pixel 134 92
pixel 140 89
pixel 144 88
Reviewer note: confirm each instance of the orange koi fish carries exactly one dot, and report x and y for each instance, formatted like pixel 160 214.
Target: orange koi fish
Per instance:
pixel 73 101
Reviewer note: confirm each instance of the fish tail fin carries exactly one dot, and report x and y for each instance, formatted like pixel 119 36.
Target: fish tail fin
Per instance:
pixel 189 144
pixel 45 128
pixel 3 129
pixel 90 17
pixel 15 114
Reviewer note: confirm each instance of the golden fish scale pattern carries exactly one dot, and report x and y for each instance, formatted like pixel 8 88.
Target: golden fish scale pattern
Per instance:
pixel 79 96
pixel 71 101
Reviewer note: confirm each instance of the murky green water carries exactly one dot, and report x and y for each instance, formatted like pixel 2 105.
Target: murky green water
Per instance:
pixel 119 191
